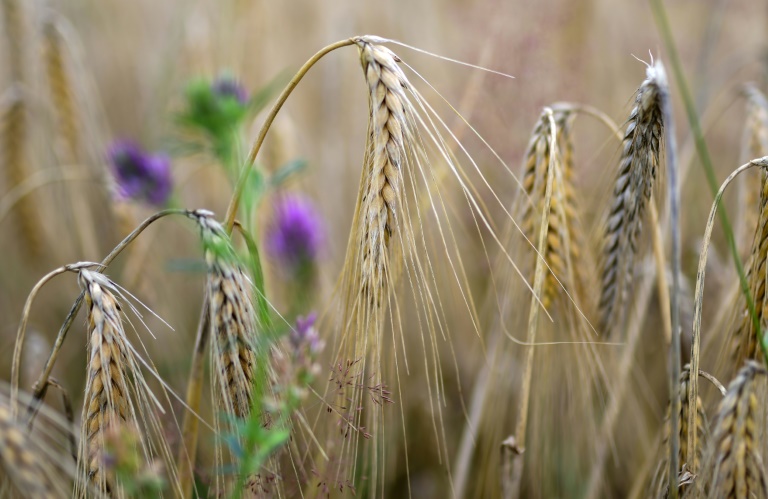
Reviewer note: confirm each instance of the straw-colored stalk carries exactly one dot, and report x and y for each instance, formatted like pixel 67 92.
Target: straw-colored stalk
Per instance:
pixel 631 193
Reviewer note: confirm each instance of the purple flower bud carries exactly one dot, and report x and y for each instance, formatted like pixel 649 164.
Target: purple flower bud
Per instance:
pixel 305 333
pixel 296 235
pixel 226 86
pixel 139 174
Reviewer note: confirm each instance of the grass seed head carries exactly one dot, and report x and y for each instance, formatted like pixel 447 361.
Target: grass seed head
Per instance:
pixel 631 192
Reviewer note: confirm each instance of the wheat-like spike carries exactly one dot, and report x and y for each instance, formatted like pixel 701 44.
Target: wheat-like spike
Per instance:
pixel 744 340
pixel 106 400
pixel 631 192
pixel 13 134
pixel 116 394
pixel 232 333
pixel 232 320
pixel 737 469
pixel 372 251
pixel 661 482
pixel 382 175
pixel 60 89
pixel 564 240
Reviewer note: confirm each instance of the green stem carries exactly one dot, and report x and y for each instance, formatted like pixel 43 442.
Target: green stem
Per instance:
pixel 229 220
pixel 703 152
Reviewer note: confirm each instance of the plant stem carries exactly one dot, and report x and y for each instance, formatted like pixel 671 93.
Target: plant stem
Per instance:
pixel 234 202
pixel 516 461
pixel 41 385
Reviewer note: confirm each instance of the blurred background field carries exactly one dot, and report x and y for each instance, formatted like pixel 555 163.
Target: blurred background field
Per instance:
pixel 128 64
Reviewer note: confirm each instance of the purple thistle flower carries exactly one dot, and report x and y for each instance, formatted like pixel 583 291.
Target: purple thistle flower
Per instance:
pixel 139 174
pixel 226 86
pixel 296 235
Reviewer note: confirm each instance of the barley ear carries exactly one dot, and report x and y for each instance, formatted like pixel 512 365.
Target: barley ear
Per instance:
pixel 737 468
pixel 631 193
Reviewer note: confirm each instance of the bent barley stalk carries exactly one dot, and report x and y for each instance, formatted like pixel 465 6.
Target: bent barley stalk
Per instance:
pixel 632 191
pixel 737 468
pixel 744 343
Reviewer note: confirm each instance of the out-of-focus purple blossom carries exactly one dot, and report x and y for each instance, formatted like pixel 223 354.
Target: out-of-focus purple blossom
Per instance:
pixel 139 174
pixel 296 235
pixel 226 86
pixel 305 333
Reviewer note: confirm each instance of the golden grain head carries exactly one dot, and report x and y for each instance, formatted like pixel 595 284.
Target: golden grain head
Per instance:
pixel 737 468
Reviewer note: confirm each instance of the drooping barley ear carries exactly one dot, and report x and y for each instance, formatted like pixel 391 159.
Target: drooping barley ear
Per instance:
pixel 116 394
pixel 661 481
pixel 374 247
pixel 106 394
pixel 736 468
pixel 755 146
pixel 564 238
pixel 232 331
pixel 744 339
pixel 381 181
pixel 632 191
pixel 13 134
pixel 232 321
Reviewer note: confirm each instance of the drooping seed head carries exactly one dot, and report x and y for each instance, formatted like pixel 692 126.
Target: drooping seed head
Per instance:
pixel 232 319
pixel 737 469
pixel 632 191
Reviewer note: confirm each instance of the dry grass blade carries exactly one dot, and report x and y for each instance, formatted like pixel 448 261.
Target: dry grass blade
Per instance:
pixel 737 468
pixel 631 192
pixel 116 395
